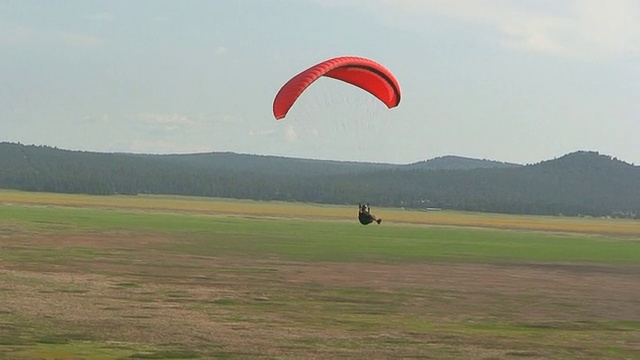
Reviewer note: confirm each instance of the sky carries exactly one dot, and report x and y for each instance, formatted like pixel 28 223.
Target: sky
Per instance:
pixel 510 80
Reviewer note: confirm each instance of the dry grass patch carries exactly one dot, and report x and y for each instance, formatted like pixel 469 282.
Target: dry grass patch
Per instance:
pixel 248 208
pixel 245 308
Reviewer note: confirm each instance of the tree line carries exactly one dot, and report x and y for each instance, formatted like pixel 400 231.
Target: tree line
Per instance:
pixel 580 183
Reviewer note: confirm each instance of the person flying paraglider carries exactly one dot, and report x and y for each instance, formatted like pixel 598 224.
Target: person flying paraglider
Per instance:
pixel 357 71
pixel 365 216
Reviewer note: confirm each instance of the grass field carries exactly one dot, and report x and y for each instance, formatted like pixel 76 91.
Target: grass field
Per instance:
pixel 152 277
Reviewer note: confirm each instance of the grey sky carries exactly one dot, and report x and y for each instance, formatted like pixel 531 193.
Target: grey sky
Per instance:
pixel 509 80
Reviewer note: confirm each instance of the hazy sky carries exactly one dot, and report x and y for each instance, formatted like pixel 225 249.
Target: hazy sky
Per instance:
pixel 509 80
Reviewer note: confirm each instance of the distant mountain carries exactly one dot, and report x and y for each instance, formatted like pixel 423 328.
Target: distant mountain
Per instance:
pixel 459 163
pixel 268 164
pixel 580 183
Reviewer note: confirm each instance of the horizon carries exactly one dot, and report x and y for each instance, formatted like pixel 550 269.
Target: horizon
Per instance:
pixel 509 80
pixel 331 160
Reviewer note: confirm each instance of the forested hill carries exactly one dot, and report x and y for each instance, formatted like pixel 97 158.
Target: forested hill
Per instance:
pixel 458 163
pixel 585 183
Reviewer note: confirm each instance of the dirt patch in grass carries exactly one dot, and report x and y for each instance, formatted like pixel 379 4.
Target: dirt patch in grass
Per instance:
pixel 217 307
pixel 111 240
pixel 529 293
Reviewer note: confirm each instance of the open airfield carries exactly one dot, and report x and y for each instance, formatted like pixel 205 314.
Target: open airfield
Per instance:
pixel 161 277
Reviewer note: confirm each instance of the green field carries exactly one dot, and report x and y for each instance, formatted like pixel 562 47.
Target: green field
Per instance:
pixel 88 277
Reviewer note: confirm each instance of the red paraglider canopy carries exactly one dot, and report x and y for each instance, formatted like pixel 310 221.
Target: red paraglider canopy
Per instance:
pixel 361 72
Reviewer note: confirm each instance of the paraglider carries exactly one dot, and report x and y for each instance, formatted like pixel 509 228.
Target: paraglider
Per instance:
pixel 358 71
pixel 365 216
pixel 361 72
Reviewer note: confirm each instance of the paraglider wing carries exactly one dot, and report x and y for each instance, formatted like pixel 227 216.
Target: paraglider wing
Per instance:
pixel 361 72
